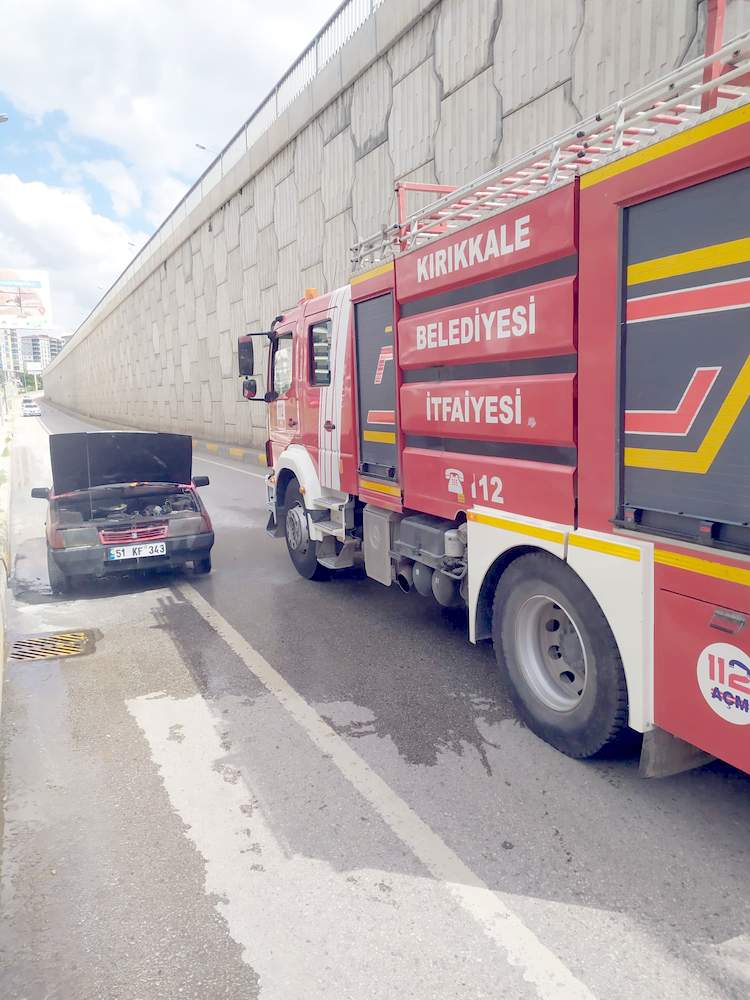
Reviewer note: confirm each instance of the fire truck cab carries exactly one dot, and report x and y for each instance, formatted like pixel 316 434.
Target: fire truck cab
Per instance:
pixel 532 400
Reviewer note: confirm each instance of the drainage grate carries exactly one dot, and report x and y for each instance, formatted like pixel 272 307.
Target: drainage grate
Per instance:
pixel 51 646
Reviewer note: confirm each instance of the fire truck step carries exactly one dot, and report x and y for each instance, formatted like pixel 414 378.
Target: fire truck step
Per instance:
pixel 329 503
pixel 331 528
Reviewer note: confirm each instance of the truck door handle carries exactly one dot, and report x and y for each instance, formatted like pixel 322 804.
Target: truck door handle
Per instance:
pixel 329 426
pixel 292 422
pixel 731 622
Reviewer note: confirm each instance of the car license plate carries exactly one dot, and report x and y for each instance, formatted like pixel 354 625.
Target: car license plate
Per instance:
pixel 138 551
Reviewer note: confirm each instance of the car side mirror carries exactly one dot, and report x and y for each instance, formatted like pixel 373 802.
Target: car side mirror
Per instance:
pixel 200 480
pixel 40 493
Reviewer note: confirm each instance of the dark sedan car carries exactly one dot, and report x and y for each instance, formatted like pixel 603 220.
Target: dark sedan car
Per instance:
pixel 121 501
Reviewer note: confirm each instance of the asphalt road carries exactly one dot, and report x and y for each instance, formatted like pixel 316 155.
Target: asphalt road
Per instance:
pixel 258 786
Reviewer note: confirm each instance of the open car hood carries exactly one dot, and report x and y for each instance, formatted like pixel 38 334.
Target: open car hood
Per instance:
pixel 82 461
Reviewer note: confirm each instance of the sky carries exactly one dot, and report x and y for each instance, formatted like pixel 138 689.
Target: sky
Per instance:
pixel 106 103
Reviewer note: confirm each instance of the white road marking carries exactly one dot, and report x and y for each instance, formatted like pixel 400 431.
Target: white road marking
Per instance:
pixel 309 925
pixel 522 948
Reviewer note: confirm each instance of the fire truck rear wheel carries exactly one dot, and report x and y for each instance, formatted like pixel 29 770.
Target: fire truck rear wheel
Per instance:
pixel 303 550
pixel 557 650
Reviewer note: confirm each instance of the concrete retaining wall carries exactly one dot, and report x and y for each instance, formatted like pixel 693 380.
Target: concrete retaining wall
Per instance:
pixel 428 91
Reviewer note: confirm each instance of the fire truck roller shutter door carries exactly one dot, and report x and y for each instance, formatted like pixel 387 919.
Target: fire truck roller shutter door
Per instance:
pixel 686 357
pixel 376 385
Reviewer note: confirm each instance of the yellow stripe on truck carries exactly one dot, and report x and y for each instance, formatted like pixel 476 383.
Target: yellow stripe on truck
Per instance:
pixel 547 534
pixel 719 571
pixel 700 259
pixel 609 548
pixel 391 491
pixel 382 437
pixel 373 273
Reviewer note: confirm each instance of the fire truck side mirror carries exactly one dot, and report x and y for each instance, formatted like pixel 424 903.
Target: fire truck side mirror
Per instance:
pixel 250 388
pixel 246 356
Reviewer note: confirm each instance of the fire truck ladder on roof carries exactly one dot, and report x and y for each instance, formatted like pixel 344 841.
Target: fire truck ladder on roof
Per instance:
pixel 697 91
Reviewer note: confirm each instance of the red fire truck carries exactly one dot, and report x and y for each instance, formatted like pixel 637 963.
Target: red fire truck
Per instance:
pixel 532 400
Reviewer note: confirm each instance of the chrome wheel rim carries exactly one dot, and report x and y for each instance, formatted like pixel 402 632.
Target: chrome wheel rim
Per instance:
pixel 550 653
pixel 296 529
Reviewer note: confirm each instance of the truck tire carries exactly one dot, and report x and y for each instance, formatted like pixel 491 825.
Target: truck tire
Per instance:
pixel 59 582
pixel 557 650
pixel 303 550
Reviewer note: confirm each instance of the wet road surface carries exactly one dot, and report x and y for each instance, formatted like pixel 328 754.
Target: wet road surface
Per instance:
pixel 258 786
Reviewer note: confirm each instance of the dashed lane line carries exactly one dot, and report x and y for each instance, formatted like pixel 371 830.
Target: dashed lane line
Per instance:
pixel 521 947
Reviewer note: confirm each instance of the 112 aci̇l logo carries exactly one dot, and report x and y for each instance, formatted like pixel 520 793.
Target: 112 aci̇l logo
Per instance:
pixel 724 680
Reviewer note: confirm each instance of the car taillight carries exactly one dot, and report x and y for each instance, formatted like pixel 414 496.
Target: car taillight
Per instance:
pixel 269 455
pixel 206 521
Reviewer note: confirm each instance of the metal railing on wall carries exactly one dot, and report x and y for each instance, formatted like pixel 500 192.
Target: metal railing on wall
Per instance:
pixel 332 37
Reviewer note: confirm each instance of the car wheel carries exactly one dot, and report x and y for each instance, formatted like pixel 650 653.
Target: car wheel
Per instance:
pixel 303 550
pixel 202 566
pixel 59 582
pixel 557 650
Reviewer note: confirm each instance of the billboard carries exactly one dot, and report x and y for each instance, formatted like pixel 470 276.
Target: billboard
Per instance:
pixel 24 299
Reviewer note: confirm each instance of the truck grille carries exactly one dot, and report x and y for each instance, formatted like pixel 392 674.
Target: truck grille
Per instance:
pixel 144 533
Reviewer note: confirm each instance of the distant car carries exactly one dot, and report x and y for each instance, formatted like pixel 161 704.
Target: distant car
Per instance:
pixel 30 408
pixel 120 501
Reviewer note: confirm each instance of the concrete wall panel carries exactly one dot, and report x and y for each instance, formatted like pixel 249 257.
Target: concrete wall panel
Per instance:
pixel 463 40
pixel 338 237
pixel 268 257
pixel 371 103
pixel 373 194
pixel 532 48
pixel 537 121
pixel 290 291
pixel 338 170
pixel 626 45
pixel 308 160
pixel 413 47
pixel 310 230
pixel 285 211
pixel 469 131
pixel 413 118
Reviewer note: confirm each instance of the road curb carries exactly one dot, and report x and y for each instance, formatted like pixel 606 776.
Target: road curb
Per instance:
pixel 247 455
pixel 237 453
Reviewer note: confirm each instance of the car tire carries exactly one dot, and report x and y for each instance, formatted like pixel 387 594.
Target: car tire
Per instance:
pixel 201 567
pixel 559 655
pixel 303 550
pixel 59 582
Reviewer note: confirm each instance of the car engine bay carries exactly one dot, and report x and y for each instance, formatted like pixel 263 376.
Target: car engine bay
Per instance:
pixel 123 506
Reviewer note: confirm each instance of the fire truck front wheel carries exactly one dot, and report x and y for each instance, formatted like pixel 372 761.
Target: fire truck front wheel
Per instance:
pixel 560 657
pixel 303 550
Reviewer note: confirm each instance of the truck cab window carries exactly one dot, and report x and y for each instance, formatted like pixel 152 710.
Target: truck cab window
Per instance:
pixel 282 364
pixel 320 353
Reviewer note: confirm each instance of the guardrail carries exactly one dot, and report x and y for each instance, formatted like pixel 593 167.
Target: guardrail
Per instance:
pixel 332 37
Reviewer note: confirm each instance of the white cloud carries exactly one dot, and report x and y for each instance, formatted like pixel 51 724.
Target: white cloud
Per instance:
pixel 117 181
pixel 152 79
pixel 56 230
pixel 149 79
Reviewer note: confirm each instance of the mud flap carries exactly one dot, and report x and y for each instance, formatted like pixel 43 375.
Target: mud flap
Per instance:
pixel 273 528
pixel 663 755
